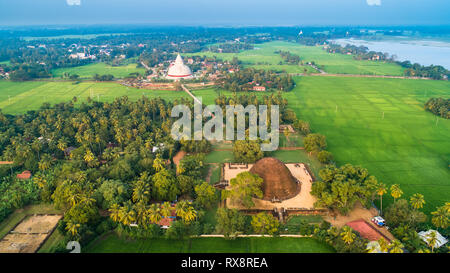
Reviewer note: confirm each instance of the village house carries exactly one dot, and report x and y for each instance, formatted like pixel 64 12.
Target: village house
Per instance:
pixel 259 88
pixel 24 175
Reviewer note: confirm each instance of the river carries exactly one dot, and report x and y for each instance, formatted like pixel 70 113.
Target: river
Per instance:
pixel 424 52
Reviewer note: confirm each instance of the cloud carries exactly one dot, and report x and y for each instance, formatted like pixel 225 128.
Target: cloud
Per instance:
pixel 78 2
pixel 373 2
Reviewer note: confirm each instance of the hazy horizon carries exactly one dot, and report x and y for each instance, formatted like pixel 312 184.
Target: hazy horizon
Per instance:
pixel 231 13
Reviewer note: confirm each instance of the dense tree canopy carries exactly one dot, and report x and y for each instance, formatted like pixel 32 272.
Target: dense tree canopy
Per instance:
pixel 340 188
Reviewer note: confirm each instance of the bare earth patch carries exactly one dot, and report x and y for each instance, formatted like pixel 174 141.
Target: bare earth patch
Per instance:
pixel 29 234
pixel 358 212
pixel 177 158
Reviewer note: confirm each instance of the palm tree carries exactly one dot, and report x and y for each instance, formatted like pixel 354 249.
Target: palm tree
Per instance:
pixel 72 227
pixel 141 191
pixel 74 198
pixel 417 201
pixel 115 212
pixel 158 163
pixel 396 192
pixel 45 163
pixel 141 211
pixel 384 246
pixel 89 156
pixel 166 209
pixel 441 217
pixel 180 208
pixel 347 235
pixel 62 144
pixel 190 214
pixel 381 190
pixel 432 240
pixel 154 213
pixel 87 200
pixel 396 247
pixel 127 215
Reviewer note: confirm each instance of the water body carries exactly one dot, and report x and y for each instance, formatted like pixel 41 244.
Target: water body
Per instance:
pixel 424 52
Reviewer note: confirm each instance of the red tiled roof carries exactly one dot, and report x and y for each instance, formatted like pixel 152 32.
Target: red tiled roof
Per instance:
pixel 6 162
pixel 166 221
pixel 366 230
pixel 24 175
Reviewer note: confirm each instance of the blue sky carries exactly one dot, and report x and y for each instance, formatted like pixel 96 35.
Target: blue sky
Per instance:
pixel 226 12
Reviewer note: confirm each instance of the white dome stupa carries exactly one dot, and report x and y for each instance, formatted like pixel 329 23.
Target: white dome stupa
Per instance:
pixel 178 70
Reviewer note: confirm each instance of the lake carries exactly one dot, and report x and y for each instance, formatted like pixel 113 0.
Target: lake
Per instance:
pixel 424 52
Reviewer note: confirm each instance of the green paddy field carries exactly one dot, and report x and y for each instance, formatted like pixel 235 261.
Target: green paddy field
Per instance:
pixel 89 70
pixel 381 125
pixel 264 57
pixel 377 123
pixel 114 244
pixel 19 97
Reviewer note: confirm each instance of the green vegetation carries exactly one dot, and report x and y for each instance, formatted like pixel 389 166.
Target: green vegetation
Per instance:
pixel 439 107
pixel 88 71
pixel 112 243
pixel 380 125
pixel 19 97
pixel 264 54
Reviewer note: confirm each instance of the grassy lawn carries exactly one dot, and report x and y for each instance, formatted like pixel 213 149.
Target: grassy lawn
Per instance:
pixel 215 173
pixel 408 146
pixel 311 219
pixel 19 97
pixel 294 140
pixel 263 56
pixel 17 216
pixel 219 157
pixel 111 243
pixel 53 241
pixel 88 71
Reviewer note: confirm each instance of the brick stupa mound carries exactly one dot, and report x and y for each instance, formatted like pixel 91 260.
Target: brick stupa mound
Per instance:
pixel 279 184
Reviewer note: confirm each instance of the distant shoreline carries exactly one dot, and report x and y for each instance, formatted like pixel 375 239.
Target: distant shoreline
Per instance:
pixel 423 51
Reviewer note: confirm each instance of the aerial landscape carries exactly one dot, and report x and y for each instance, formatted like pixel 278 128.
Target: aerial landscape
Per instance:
pixel 304 136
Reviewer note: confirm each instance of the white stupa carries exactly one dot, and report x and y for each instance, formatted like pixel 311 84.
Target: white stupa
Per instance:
pixel 178 70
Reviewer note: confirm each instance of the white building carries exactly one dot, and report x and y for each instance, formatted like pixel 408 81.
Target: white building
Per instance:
pixel 178 70
pixel 440 240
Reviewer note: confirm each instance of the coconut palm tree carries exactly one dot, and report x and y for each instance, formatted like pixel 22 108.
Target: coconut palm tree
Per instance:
pixel 45 163
pixel 166 209
pixel 87 200
pixel 381 190
pixel 417 201
pixel 347 235
pixel 74 198
pixel 432 240
pixel 158 163
pixel 396 247
pixel 441 217
pixel 190 214
pixel 141 191
pixel 396 192
pixel 72 227
pixel 115 212
pixel 154 213
pixel 127 215
pixel 384 245
pixel 181 208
